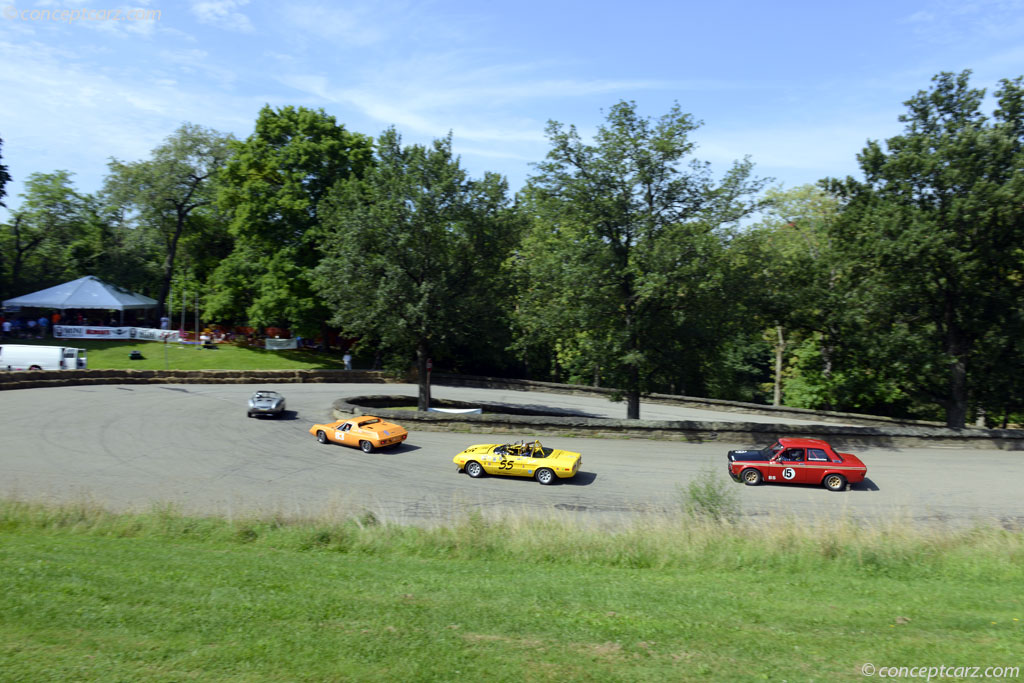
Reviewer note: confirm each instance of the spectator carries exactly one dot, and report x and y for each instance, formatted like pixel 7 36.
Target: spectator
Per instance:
pixel 43 322
pixel 30 328
pixel 5 329
pixel 55 318
pixel 347 358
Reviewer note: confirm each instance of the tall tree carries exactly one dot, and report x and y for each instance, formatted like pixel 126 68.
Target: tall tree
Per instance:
pixel 5 177
pixel 171 192
pixel 274 189
pixel 935 230
pixel 625 231
pixel 797 283
pixel 53 235
pixel 415 250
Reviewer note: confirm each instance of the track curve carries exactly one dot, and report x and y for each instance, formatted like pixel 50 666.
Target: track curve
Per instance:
pixel 133 446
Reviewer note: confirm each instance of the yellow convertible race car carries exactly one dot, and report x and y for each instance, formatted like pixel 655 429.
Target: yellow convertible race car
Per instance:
pixel 530 459
pixel 366 432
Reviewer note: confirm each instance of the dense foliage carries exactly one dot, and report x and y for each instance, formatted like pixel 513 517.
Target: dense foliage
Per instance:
pixel 624 262
pixel 413 251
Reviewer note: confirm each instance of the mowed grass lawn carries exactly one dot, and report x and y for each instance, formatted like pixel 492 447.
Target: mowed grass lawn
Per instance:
pixel 114 355
pixel 87 595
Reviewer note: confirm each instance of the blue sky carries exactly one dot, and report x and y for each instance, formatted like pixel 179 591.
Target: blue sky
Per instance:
pixel 798 86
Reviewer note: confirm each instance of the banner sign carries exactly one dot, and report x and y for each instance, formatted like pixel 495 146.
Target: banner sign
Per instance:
pixel 280 344
pixel 90 332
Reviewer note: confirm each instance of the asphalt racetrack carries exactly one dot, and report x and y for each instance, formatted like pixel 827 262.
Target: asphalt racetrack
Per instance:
pixel 131 447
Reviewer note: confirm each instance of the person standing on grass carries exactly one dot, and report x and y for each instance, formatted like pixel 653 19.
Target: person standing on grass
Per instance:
pixel 347 358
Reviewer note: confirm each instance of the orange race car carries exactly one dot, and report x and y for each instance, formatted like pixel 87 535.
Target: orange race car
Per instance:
pixel 366 432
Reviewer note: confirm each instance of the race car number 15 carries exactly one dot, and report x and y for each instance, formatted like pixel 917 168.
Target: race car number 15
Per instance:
pixel 788 473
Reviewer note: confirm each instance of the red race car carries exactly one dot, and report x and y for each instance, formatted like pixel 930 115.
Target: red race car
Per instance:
pixel 797 461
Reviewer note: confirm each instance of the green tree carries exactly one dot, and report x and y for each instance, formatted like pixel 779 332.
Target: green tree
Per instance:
pixel 5 178
pixel 171 193
pixel 624 251
pixel 274 189
pixel 797 288
pixel 54 235
pixel 415 252
pixel 934 236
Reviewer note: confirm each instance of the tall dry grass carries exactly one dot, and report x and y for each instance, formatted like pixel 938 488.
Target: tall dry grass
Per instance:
pixel 893 548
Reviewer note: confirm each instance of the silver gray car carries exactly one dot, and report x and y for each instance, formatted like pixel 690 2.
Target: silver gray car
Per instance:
pixel 265 402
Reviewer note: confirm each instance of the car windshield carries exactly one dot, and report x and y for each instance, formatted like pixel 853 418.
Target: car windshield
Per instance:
pixel 266 394
pixel 531 449
pixel 538 451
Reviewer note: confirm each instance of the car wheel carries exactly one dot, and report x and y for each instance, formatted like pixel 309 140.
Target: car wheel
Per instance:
pixel 835 482
pixel 545 476
pixel 321 437
pixel 34 367
pixel 751 477
pixel 248 414
pixel 474 469
pixel 366 446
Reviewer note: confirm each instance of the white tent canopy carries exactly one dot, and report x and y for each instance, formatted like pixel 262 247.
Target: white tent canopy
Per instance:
pixel 85 292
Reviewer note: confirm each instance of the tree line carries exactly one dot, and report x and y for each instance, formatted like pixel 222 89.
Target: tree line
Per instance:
pixel 624 261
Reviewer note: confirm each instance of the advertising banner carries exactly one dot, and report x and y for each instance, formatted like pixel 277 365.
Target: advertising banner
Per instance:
pixel 92 332
pixel 279 344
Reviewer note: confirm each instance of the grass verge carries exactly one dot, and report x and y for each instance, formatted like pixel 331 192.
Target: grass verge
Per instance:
pixel 157 596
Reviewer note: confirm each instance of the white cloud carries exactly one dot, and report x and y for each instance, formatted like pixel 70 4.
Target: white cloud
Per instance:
pixel 196 61
pixel 349 23
pixel 76 116
pixel 223 13
pixel 954 22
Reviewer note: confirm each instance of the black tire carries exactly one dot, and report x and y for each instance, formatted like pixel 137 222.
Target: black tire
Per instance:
pixel 475 469
pixel 321 436
pixel 366 446
pixel 248 414
pixel 34 367
pixel 751 477
pixel 834 482
pixel 545 476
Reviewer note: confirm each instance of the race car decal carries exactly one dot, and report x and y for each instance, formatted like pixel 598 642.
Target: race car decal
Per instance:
pixel 788 473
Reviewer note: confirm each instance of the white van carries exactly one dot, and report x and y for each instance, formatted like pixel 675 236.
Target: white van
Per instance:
pixel 30 357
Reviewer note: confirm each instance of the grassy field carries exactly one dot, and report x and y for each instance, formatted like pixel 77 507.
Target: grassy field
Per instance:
pixel 89 595
pixel 113 355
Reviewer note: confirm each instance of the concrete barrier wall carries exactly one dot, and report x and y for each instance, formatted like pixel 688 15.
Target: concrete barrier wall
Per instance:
pixel 753 433
pixel 669 399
